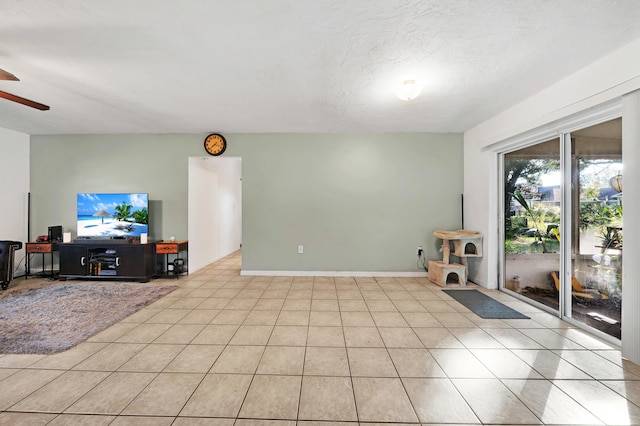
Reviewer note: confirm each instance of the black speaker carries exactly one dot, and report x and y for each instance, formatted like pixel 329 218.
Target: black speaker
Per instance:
pixel 55 233
pixel 178 266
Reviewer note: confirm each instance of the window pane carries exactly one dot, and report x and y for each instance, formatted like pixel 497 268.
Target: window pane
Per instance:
pixel 597 231
pixel 532 220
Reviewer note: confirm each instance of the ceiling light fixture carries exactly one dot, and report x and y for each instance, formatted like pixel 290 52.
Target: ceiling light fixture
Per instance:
pixel 409 90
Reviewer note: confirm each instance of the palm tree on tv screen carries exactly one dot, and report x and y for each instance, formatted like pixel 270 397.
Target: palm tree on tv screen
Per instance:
pixel 123 211
pixel 141 216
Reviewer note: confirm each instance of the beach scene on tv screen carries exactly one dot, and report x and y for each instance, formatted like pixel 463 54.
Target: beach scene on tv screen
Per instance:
pixel 113 215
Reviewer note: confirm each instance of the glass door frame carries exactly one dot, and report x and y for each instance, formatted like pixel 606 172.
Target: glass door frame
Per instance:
pixel 502 280
pixel 566 225
pixel 561 129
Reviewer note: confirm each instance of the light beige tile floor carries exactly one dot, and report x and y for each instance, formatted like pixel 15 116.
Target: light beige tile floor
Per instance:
pixel 226 349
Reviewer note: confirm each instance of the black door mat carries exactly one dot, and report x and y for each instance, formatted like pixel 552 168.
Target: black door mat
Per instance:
pixel 484 306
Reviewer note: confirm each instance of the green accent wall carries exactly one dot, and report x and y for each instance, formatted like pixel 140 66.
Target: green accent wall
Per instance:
pixel 357 202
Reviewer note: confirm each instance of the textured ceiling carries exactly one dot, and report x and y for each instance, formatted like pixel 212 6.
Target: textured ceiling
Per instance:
pixel 193 66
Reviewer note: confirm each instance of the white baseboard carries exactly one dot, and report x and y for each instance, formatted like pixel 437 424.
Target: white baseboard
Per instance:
pixel 482 283
pixel 332 274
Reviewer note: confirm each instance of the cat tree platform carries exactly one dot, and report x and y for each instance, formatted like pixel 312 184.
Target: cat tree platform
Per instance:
pixel 447 273
pixel 465 244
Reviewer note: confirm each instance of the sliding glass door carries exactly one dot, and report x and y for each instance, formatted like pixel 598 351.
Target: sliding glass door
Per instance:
pixel 531 222
pixel 574 181
pixel 596 241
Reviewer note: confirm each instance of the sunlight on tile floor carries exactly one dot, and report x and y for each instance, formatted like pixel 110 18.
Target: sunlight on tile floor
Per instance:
pixel 225 349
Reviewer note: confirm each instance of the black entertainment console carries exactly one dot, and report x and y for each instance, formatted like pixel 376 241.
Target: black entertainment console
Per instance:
pixel 121 259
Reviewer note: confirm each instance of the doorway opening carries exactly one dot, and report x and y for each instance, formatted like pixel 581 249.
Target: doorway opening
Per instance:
pixel 215 209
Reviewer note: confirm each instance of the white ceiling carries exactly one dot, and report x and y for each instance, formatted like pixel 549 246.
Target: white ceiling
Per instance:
pixel 194 66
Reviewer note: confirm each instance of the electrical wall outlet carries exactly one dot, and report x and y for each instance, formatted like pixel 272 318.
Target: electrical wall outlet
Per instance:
pixel 300 249
pixel 419 251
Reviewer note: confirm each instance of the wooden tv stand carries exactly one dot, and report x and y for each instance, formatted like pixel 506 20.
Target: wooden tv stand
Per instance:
pixel 106 259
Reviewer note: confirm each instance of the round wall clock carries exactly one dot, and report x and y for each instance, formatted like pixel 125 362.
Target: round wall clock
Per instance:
pixel 215 144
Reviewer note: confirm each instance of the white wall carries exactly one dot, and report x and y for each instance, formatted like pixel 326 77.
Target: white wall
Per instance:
pixel 630 266
pixel 603 83
pixel 215 209
pixel 14 187
pixel 604 80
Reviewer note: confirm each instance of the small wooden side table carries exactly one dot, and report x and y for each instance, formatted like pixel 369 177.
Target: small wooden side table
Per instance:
pixel 179 264
pixel 42 248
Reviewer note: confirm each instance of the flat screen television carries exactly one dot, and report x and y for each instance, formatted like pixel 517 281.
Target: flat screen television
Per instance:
pixel 113 215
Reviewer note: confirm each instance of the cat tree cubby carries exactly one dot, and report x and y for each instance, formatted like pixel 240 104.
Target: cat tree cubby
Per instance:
pixel 465 244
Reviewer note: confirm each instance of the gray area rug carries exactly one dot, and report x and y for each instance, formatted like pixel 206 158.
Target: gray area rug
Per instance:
pixel 56 317
pixel 484 306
